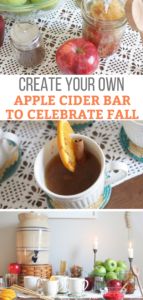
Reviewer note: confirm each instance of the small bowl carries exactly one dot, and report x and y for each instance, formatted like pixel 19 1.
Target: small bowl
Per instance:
pixel 113 295
pixel 28 6
pixel 134 131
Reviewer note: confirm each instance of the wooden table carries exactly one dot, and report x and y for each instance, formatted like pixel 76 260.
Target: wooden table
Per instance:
pixel 128 195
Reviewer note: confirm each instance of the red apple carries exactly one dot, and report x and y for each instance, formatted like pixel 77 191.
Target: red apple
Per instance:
pixel 77 56
pixel 114 284
pixel 14 268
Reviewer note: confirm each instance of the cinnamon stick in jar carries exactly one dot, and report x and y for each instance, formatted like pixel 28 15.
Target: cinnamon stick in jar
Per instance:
pixel 79 149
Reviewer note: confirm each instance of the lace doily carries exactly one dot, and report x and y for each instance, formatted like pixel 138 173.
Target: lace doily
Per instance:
pixel 62 23
pixel 21 190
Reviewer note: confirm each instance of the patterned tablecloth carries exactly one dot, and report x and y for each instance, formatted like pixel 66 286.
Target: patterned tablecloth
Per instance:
pixel 87 295
pixel 91 295
pixel 21 190
pixel 60 24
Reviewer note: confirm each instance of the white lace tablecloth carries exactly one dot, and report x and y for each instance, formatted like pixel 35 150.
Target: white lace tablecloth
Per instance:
pixel 87 295
pixel 60 24
pixel 91 295
pixel 21 190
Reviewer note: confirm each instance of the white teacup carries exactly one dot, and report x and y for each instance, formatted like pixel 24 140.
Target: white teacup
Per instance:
pixel 63 283
pixel 77 286
pixel 50 287
pixel 90 195
pixel 134 131
pixel 6 151
pixel 31 282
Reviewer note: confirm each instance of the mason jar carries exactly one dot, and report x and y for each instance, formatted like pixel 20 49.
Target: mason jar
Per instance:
pixel 27 44
pixel 99 284
pixel 103 29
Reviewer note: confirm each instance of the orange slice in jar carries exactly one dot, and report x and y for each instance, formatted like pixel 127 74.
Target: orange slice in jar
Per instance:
pixel 65 145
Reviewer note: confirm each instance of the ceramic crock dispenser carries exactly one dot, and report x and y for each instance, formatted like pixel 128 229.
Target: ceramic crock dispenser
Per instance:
pixel 32 245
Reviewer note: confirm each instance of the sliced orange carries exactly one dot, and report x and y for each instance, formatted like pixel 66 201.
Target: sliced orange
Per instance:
pixel 65 145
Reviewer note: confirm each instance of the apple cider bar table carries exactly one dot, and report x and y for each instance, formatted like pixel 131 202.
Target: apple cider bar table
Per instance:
pixel 60 24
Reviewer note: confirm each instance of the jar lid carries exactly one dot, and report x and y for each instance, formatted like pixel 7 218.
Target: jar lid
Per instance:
pixel 107 12
pixel 23 35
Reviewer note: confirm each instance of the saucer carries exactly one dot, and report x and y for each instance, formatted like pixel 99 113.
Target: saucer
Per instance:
pixel 101 203
pixel 12 169
pixel 75 296
pixel 129 147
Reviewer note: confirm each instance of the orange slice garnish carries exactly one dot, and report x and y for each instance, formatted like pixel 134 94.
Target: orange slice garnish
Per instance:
pixel 65 145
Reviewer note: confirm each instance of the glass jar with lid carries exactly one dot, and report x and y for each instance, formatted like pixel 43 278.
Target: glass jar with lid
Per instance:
pixel 27 44
pixel 102 25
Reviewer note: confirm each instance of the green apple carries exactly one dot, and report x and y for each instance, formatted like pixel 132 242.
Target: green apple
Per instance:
pixel 98 263
pixel 122 264
pixel 110 265
pixel 100 271
pixel 120 273
pixel 111 275
pixel 38 1
pixel 13 2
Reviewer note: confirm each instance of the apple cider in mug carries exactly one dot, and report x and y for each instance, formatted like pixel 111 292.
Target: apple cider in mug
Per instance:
pixel 71 169
pixel 63 182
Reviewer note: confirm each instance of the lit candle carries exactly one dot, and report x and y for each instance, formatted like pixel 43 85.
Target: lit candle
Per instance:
pixel 95 243
pixel 130 250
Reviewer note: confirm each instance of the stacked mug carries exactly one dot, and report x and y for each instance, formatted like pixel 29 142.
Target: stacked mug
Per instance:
pixel 32 246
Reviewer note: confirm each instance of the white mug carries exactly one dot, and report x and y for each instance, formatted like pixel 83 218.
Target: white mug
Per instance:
pixel 92 194
pixel 77 286
pixel 31 282
pixel 6 151
pixel 63 283
pixel 50 287
pixel 134 131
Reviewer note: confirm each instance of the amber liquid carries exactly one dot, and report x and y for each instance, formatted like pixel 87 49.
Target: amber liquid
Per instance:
pixel 63 182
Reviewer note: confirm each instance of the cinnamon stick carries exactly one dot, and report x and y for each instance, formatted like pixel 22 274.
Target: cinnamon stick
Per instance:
pixel 79 149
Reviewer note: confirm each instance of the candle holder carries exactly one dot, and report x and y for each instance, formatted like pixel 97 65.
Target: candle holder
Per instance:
pixel 131 263
pixel 94 252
